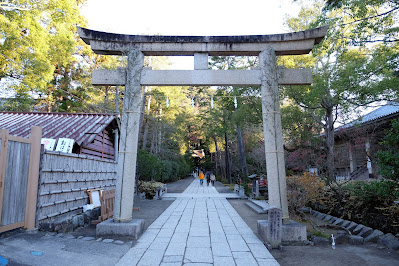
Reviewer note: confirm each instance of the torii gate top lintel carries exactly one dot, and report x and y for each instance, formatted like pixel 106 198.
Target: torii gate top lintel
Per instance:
pixel 293 43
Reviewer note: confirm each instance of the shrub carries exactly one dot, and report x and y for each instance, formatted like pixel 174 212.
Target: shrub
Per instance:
pixel 170 171
pixel 388 159
pixel 148 166
pixel 247 189
pixel 152 168
pixel 184 168
pixel 303 189
pixel 370 203
pixel 149 188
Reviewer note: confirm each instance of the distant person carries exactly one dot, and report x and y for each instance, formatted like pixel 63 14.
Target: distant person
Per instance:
pixel 213 178
pixel 208 178
pixel 201 177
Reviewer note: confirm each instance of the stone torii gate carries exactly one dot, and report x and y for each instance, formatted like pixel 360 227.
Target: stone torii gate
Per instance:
pixel 268 76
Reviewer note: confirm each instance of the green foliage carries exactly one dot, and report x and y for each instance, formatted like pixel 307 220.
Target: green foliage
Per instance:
pixel 208 165
pixel 38 42
pixel 168 171
pixel 385 191
pixel 321 234
pixel 148 166
pixel 46 65
pixel 369 203
pixel 152 168
pixel 388 158
pixel 247 189
pixel 185 166
pixel 349 73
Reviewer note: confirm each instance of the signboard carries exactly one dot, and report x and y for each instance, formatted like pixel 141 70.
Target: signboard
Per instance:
pixel 49 144
pixel 198 153
pixel 274 229
pixel 64 145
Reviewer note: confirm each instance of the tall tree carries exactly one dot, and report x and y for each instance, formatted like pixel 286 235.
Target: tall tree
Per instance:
pixel 349 73
pixel 38 40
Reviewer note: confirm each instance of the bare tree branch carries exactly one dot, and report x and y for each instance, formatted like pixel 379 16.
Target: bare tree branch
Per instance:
pixel 370 17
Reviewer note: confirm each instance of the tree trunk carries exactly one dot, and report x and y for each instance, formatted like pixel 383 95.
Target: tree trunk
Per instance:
pixel 217 163
pixel 142 108
pixel 106 99
pixel 243 160
pixel 154 134
pixel 329 128
pixel 159 133
pixel 145 134
pixel 117 99
pixel 228 169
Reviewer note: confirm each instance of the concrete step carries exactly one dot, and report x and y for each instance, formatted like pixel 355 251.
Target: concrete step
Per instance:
pixel 261 203
pixel 255 207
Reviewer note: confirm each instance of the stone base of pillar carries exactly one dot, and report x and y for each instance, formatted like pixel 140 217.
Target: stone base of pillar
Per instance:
pixel 109 228
pixel 291 233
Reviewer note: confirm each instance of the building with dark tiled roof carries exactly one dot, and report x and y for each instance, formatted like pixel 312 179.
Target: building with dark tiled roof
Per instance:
pixel 357 142
pixel 94 134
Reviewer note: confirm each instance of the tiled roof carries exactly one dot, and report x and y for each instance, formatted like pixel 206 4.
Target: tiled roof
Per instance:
pixel 386 110
pixel 80 127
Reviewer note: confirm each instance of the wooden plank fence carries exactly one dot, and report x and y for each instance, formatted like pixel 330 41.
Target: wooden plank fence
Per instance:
pixel 65 179
pixel 19 174
pixel 107 204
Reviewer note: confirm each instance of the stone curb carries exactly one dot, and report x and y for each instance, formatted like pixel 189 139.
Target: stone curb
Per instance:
pixel 69 225
pixel 361 233
pixel 356 240
pixel 389 240
pixel 87 238
pixel 352 226
pixel 358 229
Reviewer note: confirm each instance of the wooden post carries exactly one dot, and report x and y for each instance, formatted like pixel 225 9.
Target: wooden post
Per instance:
pixel 33 178
pixel 3 161
pixel 351 161
pixel 116 144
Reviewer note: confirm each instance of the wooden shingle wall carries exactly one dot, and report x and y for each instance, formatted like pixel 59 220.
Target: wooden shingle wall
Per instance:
pixel 102 146
pixel 64 179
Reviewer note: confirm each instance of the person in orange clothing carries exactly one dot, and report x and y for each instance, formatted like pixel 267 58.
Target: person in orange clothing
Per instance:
pixel 201 178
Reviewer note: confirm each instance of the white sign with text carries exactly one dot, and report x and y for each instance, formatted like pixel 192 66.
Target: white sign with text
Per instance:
pixel 64 145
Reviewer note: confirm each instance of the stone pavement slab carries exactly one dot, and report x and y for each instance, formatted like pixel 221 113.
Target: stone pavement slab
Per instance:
pixel 199 228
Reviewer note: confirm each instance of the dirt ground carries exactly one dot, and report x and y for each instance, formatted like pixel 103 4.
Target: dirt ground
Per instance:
pixel 369 254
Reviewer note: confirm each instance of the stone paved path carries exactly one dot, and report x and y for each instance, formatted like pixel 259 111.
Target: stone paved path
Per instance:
pixel 194 190
pixel 199 228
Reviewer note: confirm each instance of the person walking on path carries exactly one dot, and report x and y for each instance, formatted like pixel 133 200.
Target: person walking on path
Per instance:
pixel 208 178
pixel 201 178
pixel 213 178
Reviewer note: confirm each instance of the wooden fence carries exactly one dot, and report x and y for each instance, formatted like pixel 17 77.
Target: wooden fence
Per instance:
pixel 19 172
pixel 64 179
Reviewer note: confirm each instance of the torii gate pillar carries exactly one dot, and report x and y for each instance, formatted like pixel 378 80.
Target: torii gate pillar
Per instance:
pixel 129 138
pixel 272 130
